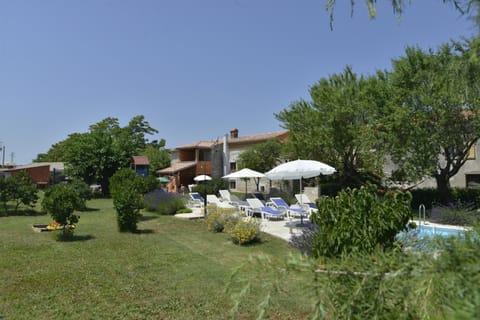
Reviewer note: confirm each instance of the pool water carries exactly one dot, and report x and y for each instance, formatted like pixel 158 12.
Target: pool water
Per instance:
pixel 420 238
pixel 431 231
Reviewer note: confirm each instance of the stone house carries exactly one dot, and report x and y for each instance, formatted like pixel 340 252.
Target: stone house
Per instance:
pixel 215 158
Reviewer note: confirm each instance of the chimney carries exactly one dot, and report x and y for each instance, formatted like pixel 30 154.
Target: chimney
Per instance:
pixel 226 157
pixel 234 133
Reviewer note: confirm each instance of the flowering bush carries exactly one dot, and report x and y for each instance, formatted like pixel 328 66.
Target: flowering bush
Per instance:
pixel 215 221
pixel 61 201
pixel 220 219
pixel 245 232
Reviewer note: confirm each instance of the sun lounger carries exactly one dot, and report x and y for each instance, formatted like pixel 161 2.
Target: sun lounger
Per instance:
pixel 291 211
pixel 196 200
pixel 257 195
pixel 306 203
pixel 213 199
pixel 225 196
pixel 255 205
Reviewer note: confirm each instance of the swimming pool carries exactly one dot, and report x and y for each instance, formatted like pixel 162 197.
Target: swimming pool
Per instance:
pixel 423 231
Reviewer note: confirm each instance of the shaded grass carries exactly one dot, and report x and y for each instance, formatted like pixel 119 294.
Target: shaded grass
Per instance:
pixel 170 269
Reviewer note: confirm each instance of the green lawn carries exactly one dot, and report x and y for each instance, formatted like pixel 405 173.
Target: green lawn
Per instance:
pixel 172 269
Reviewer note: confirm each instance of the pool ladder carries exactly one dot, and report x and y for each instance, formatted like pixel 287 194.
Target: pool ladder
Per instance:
pixel 421 214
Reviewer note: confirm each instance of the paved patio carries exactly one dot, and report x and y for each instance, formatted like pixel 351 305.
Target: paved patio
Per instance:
pixel 283 229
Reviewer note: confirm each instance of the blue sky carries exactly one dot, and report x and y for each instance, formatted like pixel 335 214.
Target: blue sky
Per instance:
pixel 194 68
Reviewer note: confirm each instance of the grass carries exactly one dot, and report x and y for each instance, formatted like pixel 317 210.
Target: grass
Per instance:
pixel 171 269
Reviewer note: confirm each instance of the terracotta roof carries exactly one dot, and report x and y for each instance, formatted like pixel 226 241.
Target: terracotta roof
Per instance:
pixel 140 160
pixel 257 137
pixel 175 167
pixel 198 145
pixel 241 139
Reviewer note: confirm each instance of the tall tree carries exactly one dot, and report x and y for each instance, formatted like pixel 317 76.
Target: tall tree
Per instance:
pixel 96 155
pixel 435 115
pixel 339 126
pixel 158 155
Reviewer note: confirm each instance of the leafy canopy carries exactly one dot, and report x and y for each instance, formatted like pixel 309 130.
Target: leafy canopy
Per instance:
pixel 96 155
pixel 340 125
pixel 60 201
pixel 261 157
pixel 19 190
pixel 434 116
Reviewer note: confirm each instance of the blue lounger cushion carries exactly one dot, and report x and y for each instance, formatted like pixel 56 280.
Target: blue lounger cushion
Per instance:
pixel 272 211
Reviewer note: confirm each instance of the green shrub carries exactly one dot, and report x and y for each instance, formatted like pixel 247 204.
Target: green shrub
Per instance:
pixel 360 220
pixel 185 210
pixel 245 232
pixel 230 222
pixel 215 221
pixel 60 201
pixel 126 188
pixel 430 196
pixel 467 196
pixel 211 186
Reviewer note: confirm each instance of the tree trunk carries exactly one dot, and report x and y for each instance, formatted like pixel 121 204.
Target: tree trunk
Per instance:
pixel 443 188
pixel 105 187
pixel 257 183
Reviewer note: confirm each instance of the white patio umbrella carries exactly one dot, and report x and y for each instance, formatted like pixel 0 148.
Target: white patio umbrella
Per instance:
pixel 299 169
pixel 245 174
pixel 202 177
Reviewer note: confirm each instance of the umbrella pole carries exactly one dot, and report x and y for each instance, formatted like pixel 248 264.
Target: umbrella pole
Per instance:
pixel 301 202
pixel 245 189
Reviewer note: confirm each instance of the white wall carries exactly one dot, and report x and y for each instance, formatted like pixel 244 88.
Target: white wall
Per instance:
pixel 457 181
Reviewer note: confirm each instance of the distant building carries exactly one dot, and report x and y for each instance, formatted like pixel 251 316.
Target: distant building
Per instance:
pixel 140 165
pixel 41 173
pixel 215 158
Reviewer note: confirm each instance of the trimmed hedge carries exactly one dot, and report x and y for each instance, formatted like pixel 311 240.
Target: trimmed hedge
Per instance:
pixel 429 196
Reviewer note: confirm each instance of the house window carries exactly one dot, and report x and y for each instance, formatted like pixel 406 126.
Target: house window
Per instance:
pixel 472 181
pixel 471 153
pixel 233 185
pixel 233 166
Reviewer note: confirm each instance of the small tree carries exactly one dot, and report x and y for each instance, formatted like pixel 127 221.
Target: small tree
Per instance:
pixel 23 191
pixel 18 189
pixel 127 189
pixel 5 192
pixel 60 202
